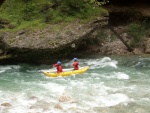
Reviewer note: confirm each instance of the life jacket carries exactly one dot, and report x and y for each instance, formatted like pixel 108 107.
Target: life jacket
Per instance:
pixel 58 67
pixel 75 65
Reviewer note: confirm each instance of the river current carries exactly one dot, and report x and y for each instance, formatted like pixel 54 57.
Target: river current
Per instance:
pixel 117 84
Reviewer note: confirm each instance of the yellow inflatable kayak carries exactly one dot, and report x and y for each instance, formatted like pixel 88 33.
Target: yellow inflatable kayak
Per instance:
pixel 66 72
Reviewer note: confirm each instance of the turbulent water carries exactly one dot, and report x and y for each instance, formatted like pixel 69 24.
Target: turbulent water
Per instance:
pixel 111 85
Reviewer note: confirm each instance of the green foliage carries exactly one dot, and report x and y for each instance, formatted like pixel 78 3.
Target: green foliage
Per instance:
pixel 99 2
pixel 70 10
pixel 71 7
pixel 29 12
pixel 137 31
pixel 53 16
pixel 47 11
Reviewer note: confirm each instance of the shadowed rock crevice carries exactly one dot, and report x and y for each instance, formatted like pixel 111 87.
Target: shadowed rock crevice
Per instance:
pixel 122 12
pixel 1 2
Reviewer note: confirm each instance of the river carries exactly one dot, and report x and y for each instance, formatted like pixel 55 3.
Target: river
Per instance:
pixel 113 84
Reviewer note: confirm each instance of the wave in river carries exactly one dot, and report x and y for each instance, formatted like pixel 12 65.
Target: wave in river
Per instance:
pixel 109 86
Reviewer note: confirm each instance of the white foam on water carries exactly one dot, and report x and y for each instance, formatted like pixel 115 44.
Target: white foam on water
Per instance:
pixel 67 105
pixel 10 98
pixel 101 63
pixel 54 88
pixel 69 63
pixel 49 70
pixel 94 90
pixel 21 103
pixel 1 71
pixel 15 67
pixel 120 75
pixel 85 92
pixel 107 100
pixel 95 74
pixel 4 68
pixel 106 59
pixel 112 99
pixel 9 67
pixel 144 101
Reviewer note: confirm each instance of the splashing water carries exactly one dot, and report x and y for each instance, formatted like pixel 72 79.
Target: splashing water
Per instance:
pixel 109 86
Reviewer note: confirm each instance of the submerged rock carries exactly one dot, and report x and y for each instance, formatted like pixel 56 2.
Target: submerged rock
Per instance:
pixel 65 98
pixel 6 104
pixel 57 106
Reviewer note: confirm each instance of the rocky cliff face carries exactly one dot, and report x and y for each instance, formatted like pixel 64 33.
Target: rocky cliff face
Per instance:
pixel 54 41
pixel 124 12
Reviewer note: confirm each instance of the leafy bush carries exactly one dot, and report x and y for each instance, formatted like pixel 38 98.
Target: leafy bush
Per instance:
pixel 20 11
pixel 137 31
pixel 28 12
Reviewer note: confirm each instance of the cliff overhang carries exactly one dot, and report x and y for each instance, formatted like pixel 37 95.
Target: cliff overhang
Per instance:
pixel 124 12
pixel 53 41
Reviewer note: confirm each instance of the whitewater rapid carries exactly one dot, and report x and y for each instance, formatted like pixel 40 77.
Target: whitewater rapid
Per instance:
pixel 108 86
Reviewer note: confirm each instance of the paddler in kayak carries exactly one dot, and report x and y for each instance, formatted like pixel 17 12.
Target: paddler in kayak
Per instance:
pixel 58 67
pixel 75 64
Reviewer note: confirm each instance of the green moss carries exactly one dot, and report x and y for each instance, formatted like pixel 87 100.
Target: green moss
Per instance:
pixel 137 31
pixel 36 14
pixel 57 28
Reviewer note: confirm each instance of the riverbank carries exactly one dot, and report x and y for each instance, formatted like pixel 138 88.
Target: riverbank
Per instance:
pixel 30 48
pixel 111 45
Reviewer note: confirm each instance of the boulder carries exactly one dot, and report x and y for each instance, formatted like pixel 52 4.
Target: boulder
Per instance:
pixel 6 104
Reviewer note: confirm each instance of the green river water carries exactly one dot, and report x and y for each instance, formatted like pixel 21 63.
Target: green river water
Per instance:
pixel 114 84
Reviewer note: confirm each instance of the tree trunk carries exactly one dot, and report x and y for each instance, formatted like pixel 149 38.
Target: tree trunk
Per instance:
pixel 123 41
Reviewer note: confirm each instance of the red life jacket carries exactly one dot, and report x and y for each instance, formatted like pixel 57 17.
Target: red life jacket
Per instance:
pixel 75 65
pixel 59 68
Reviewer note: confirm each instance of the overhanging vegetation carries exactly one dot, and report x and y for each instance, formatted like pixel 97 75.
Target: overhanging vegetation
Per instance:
pixel 29 13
